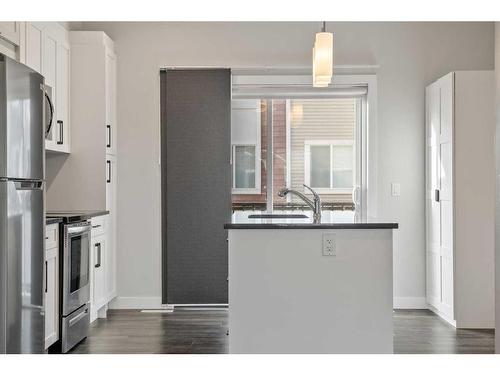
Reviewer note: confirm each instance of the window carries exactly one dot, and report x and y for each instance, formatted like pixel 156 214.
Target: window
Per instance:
pixel 286 142
pixel 329 166
pixel 246 148
pixel 244 173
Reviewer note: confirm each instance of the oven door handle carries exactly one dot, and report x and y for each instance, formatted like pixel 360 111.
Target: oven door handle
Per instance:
pixel 79 317
pixel 79 229
pixel 98 246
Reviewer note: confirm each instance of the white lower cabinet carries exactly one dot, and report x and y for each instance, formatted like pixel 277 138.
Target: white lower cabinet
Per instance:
pixel 51 300
pixel 99 250
pixel 102 281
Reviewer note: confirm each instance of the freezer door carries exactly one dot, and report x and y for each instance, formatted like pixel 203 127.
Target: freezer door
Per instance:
pixel 22 271
pixel 21 121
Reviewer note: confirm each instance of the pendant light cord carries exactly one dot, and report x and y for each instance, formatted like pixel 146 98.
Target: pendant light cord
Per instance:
pixel 323 28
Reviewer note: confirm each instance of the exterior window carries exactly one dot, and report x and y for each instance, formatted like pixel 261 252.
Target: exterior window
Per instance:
pixel 320 166
pixel 246 123
pixel 329 166
pixel 244 167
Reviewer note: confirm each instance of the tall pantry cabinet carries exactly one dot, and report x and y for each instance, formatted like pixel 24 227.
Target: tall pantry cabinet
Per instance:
pixel 460 198
pixel 94 156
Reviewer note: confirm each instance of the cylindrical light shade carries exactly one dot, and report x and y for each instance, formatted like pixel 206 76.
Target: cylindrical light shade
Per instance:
pixel 323 59
pixel 318 81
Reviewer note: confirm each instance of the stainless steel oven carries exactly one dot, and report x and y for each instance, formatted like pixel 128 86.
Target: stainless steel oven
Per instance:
pixel 75 280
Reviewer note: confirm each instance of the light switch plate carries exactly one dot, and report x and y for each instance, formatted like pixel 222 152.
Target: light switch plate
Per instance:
pixel 395 189
pixel 329 246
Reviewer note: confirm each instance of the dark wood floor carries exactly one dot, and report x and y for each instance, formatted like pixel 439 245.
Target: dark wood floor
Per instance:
pixel 130 331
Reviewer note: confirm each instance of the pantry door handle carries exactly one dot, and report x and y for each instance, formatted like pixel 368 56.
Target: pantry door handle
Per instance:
pixel 108 127
pixel 436 195
pixel 108 162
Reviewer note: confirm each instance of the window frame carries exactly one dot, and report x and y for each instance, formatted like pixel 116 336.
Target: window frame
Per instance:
pixel 331 143
pixel 257 189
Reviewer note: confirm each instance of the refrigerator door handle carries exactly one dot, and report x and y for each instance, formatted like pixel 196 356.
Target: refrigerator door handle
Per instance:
pixel 46 276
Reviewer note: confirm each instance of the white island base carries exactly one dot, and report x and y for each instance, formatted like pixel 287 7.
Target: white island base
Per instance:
pixel 285 296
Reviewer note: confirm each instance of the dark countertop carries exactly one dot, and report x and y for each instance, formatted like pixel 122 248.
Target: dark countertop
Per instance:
pixel 329 220
pixel 74 216
pixel 53 220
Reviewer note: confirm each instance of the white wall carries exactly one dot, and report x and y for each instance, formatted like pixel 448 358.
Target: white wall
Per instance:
pixel 410 56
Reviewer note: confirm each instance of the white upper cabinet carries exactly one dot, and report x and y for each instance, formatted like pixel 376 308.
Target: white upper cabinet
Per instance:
pixel 34 40
pixel 47 51
pixel 62 99
pixel 11 31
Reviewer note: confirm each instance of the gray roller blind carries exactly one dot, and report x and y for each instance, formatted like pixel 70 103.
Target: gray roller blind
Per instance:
pixel 196 184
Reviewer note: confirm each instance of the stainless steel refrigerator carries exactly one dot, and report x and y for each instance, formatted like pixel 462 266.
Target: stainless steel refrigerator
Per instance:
pixel 22 281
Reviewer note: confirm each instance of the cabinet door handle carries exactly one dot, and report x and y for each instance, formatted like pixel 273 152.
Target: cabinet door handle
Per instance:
pixel 436 195
pixel 46 276
pixel 108 162
pixel 60 141
pixel 108 127
pixel 98 246
pixel 96 226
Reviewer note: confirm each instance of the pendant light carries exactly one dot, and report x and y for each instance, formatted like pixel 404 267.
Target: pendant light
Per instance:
pixel 323 58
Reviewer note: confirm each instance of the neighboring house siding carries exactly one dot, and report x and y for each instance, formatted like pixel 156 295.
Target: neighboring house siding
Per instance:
pixel 325 119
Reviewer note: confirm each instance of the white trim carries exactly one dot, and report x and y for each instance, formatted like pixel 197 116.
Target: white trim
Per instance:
pixel 288 147
pixel 303 70
pixel 154 303
pixel 199 305
pixel 410 303
pixel 363 80
pixel 120 303
pixel 443 316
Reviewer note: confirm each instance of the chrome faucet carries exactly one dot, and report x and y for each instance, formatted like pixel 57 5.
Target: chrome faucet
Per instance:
pixel 315 204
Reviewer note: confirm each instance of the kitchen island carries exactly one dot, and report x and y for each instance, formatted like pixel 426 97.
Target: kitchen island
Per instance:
pixel 299 287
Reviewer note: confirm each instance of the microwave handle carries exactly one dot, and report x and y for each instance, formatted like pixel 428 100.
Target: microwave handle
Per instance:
pixel 51 109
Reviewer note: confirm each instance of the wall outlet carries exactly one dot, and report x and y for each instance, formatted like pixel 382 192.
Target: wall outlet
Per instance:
pixel 329 248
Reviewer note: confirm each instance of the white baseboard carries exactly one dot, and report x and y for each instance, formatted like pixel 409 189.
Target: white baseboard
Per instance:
pixel 442 316
pixel 139 303
pixel 409 303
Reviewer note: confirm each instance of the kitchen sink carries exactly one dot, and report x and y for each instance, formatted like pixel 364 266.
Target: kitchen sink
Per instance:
pixel 277 216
